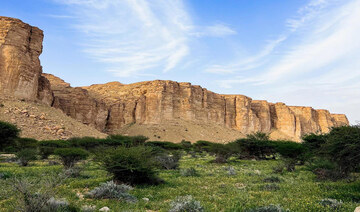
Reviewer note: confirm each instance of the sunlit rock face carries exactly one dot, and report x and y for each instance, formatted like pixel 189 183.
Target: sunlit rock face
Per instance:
pixel 20 69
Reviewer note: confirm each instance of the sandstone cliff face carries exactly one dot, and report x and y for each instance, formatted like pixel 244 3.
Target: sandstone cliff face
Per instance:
pixel 76 103
pixel 156 101
pixel 20 69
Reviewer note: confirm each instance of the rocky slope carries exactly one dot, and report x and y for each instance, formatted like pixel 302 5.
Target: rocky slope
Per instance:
pixel 113 107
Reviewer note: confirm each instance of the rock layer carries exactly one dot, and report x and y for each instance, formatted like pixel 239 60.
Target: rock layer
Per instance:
pixel 20 69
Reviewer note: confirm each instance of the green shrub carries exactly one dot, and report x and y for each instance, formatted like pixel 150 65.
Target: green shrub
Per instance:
pixel 292 152
pixel 342 147
pixel 190 172
pixel 186 145
pixel 164 145
pixel 8 134
pixel 222 152
pixel 85 142
pixel 134 165
pixel 201 146
pixel 168 161
pixel 70 156
pixel 25 156
pixel 22 143
pixel 47 148
pixel 256 146
pixel 128 141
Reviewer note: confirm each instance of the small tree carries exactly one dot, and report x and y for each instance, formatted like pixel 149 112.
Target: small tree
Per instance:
pixel 47 148
pixel 70 156
pixel 134 165
pixel 257 146
pixel 8 134
pixel 222 152
pixel 25 156
pixel 291 151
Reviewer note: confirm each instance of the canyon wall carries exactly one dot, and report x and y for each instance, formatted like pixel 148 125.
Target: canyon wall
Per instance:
pixel 20 69
pixel 111 106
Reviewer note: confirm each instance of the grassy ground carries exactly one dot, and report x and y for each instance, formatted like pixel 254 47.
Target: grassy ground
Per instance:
pixel 214 187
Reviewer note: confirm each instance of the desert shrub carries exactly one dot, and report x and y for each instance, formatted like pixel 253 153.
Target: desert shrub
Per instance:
pixel 70 156
pixel 128 141
pixel 186 204
pixel 111 190
pixel 270 187
pixel 272 179
pixel 5 175
pixel 164 145
pixel 168 161
pixel 8 134
pixel 33 195
pixel 72 172
pixel 134 165
pixel 25 156
pixel 332 203
pixel 230 170
pixel 291 152
pixel 186 145
pixel 85 142
pixel 88 208
pixel 313 143
pixel 25 143
pixel 58 205
pixel 222 152
pixel 269 208
pixel 47 148
pixel 256 146
pixel 202 146
pixel 190 172
pixel 342 147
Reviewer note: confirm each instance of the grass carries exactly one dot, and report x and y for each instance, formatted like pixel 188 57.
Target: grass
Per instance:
pixel 214 187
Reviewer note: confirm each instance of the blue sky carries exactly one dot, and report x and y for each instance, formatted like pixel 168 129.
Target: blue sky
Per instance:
pixel 300 52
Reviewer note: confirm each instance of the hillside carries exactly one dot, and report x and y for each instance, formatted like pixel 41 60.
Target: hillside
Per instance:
pixel 42 122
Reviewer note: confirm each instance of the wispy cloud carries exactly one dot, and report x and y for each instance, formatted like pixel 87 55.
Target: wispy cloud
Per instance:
pixel 133 36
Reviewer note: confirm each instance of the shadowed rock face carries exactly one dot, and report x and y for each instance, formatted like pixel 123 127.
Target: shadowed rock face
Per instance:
pixel 20 69
pixel 111 106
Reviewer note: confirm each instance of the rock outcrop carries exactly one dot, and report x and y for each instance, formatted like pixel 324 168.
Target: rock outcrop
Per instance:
pixel 20 69
pixel 110 107
pixel 76 103
pixel 153 102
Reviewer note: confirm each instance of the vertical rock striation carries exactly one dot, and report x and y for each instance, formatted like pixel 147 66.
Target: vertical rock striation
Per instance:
pixel 20 69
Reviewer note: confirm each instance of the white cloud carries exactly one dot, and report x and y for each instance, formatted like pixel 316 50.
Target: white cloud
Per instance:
pixel 133 36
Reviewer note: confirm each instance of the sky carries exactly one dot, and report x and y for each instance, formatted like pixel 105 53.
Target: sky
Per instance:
pixel 300 52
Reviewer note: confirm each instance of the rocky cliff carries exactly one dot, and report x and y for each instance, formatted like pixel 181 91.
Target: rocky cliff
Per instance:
pixel 20 69
pixel 113 106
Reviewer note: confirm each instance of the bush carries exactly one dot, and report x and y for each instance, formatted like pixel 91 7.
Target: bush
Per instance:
pixel 269 208
pixel 186 204
pixel 256 146
pixel 186 145
pixel 85 142
pixel 5 175
pixel 134 165
pixel 70 156
pixel 342 147
pixel 25 156
pixel 110 190
pixel 272 179
pixel 167 161
pixel 201 146
pixel 58 205
pixel 129 141
pixel 332 203
pixel 47 148
pixel 164 145
pixel 22 143
pixel 270 187
pixel 190 172
pixel 222 152
pixel 8 134
pixel 292 153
